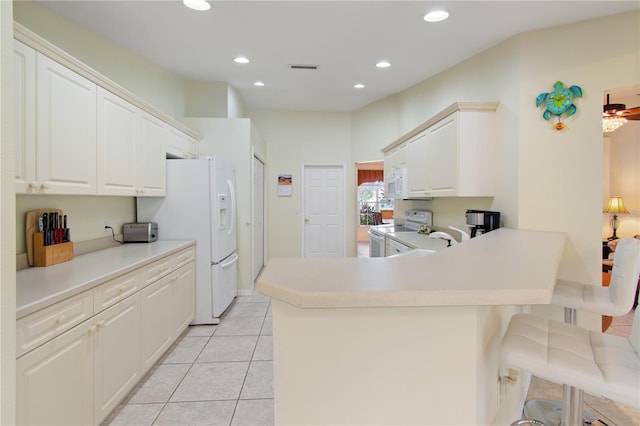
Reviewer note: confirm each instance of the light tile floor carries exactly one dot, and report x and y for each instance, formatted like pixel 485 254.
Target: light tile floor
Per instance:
pixel 223 375
pixel 213 375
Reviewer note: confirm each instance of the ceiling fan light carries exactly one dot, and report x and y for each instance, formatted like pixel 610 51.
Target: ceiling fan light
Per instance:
pixel 201 5
pixel 609 124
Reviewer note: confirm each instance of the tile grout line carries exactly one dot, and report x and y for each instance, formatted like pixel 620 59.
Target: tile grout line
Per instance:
pixel 250 363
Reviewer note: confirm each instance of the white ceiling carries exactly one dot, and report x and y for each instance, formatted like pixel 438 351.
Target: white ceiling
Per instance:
pixel 345 38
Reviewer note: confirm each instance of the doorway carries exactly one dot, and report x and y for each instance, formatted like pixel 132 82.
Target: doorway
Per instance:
pixel 258 217
pixel 324 203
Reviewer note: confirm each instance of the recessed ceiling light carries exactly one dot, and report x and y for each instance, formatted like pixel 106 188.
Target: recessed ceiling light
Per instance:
pixel 258 83
pixel 436 16
pixel 241 60
pixel 197 4
pixel 359 86
pixel 383 64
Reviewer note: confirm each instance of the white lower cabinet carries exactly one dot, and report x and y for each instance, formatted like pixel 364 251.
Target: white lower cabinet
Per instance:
pixel 80 374
pixel 157 328
pixel 184 297
pixel 55 381
pixel 117 355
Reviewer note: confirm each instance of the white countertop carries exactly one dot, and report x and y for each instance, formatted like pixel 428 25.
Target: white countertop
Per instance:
pixel 39 287
pixel 502 267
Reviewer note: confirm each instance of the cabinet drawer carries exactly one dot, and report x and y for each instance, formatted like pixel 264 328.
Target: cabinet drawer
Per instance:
pixel 157 270
pixel 42 326
pixel 183 257
pixel 111 292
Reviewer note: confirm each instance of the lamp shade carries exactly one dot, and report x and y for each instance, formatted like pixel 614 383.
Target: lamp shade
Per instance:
pixel 615 206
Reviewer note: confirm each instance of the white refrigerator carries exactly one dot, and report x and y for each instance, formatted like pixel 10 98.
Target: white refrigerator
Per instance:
pixel 200 205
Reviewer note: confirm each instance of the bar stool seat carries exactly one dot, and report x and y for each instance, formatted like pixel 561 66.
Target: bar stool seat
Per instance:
pixel 598 363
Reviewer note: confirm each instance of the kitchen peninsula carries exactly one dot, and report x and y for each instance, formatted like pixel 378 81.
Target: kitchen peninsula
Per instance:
pixel 408 340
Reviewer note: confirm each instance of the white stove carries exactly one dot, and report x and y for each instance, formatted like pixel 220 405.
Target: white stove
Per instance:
pixel 413 220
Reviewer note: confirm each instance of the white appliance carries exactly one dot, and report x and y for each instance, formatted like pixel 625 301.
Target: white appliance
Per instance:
pixel 413 220
pixel 396 185
pixel 201 205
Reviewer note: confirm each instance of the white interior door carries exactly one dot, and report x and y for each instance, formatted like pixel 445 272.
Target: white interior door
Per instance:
pixel 324 211
pixel 258 216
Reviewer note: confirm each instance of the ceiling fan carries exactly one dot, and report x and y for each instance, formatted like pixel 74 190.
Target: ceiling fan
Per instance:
pixel 615 115
pixel 620 110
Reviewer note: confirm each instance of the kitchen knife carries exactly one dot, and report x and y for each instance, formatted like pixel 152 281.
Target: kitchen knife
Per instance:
pixel 65 230
pixel 45 221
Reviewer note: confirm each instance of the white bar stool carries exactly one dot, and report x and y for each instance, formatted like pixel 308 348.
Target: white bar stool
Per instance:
pixel 598 363
pixel 615 300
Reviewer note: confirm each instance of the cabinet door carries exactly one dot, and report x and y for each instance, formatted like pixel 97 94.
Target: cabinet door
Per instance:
pixel 24 95
pixel 176 143
pixel 417 166
pixel 152 157
pixel 184 281
pixel 157 321
pixel 54 383
pixel 117 355
pixel 116 141
pixel 191 148
pixel 66 130
pixel 443 157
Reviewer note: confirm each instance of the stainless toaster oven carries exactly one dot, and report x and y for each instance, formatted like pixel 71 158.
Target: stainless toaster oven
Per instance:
pixel 141 232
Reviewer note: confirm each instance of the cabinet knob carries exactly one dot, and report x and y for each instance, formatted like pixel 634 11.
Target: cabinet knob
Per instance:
pixel 44 186
pixel 306 219
pixel 101 323
pixel 93 328
pixel 123 288
pixel 61 319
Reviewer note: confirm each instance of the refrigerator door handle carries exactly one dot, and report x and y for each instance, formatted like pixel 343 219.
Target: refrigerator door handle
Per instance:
pixel 232 193
pixel 231 260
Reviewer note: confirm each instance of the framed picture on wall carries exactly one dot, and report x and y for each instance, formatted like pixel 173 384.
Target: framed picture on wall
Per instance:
pixel 285 185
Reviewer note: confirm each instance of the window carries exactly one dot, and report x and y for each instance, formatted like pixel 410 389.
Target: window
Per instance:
pixel 371 202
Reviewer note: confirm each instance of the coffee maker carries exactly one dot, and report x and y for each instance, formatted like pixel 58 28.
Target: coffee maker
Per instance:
pixel 482 221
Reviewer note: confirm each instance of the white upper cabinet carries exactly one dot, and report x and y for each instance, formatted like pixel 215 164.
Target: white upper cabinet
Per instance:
pixel 65 130
pixel 181 145
pixel 117 140
pixel 396 158
pixel 24 94
pixel 452 154
pixel 131 149
pixel 79 133
pixel 151 163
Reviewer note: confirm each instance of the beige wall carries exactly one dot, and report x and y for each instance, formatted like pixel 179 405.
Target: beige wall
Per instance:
pixel 295 138
pixel 206 99
pixel 560 173
pixel 86 214
pixel 7 221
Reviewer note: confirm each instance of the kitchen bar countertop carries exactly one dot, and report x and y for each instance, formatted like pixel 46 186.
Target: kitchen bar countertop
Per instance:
pixel 502 267
pixel 39 287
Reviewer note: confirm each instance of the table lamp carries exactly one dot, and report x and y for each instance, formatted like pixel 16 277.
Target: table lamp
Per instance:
pixel 615 206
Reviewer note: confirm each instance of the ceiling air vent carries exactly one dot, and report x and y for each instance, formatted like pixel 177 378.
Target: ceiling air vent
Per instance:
pixel 303 67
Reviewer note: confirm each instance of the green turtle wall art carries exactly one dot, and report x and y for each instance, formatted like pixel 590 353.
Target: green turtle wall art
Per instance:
pixel 558 102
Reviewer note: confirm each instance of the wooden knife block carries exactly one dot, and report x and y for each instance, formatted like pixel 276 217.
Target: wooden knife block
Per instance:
pixel 50 255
